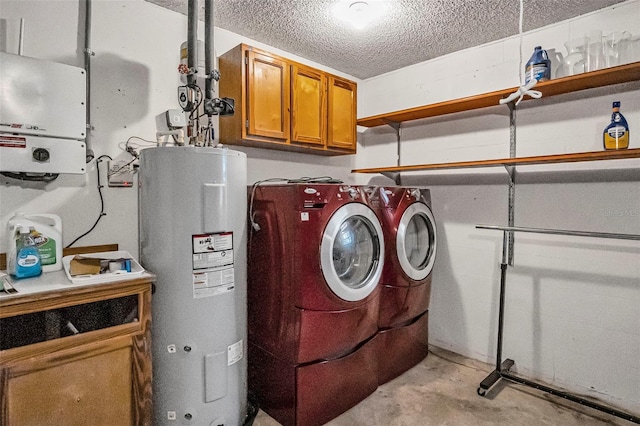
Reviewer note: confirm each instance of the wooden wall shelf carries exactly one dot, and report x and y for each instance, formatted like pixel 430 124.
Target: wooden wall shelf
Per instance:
pixel 522 161
pixel 605 77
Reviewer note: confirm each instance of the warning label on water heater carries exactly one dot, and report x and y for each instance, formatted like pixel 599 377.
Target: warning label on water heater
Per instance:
pixel 213 269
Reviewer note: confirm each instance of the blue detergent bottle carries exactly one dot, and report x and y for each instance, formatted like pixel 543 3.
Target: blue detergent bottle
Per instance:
pixel 28 262
pixel 538 67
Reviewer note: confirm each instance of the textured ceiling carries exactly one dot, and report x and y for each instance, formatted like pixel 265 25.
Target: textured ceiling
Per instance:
pixel 412 31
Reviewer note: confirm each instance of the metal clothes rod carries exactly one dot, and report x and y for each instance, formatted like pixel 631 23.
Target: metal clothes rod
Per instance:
pixel 502 370
pixel 561 232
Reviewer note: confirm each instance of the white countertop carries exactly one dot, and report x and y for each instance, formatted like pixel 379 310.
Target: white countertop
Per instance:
pixel 52 281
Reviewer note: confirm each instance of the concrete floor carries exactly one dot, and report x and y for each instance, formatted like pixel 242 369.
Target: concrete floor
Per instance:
pixel 441 390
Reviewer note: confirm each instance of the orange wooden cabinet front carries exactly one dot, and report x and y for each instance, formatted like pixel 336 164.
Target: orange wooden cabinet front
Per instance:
pixel 95 372
pixel 342 113
pixel 281 104
pixel 308 106
pixel 268 96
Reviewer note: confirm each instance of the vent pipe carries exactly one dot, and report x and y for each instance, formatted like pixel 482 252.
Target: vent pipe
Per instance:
pixel 192 40
pixel 88 53
pixel 209 54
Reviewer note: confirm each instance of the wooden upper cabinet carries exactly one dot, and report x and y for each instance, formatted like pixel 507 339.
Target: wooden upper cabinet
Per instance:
pixel 308 106
pixel 281 104
pixel 342 113
pixel 268 95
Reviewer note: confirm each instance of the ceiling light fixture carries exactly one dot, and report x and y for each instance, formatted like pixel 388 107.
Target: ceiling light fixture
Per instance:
pixel 359 13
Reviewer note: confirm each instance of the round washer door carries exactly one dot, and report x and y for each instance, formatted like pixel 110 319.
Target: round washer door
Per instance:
pixel 352 251
pixel 416 241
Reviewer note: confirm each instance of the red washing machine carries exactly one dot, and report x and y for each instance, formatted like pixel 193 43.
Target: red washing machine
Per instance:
pixel 409 230
pixel 315 259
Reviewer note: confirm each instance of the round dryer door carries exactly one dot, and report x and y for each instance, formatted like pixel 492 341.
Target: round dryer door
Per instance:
pixel 416 241
pixel 352 251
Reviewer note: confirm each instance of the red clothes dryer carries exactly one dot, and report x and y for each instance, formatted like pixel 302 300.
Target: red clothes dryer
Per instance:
pixel 409 231
pixel 315 259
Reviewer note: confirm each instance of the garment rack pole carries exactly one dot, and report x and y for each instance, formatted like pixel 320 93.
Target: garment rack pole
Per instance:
pixel 511 170
pixel 502 370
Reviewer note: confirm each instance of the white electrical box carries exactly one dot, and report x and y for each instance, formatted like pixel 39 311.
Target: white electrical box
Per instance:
pixel 33 154
pixel 42 116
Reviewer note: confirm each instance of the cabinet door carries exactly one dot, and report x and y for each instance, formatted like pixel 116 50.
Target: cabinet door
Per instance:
pixel 268 96
pixel 75 390
pixel 308 106
pixel 342 114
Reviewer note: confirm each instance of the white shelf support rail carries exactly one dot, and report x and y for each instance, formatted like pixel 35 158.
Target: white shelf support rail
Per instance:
pixel 396 176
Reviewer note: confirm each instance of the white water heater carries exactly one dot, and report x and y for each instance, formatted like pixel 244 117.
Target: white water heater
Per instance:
pixel 193 210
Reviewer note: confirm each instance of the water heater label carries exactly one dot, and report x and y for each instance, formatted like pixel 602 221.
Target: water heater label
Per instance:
pixel 213 269
pixel 213 283
pixel 234 353
pixel 212 250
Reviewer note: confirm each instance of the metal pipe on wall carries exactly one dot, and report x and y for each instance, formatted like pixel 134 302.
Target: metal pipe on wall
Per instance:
pixel 192 40
pixel 209 54
pixel 88 53
pixel 21 37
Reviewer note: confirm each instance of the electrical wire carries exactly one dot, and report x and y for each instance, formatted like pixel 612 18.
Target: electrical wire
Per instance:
pixel 523 89
pixel 102 213
pixel 128 146
pixel 318 179
pixel 115 172
pixel 254 225
pixel 304 179
pixel 199 94
pixel 209 134
pixel 520 38
pixel 230 105
pixel 31 177
pixel 224 101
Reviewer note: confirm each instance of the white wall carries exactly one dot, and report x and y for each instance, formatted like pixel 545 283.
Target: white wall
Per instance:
pixel 572 315
pixel 134 78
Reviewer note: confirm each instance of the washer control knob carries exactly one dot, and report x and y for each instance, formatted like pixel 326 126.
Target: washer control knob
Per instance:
pixel 187 348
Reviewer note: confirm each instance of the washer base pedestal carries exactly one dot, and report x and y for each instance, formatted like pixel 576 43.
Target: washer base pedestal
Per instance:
pixel 401 348
pixel 311 394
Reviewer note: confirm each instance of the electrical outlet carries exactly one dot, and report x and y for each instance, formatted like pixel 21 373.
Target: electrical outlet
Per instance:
pixel 120 173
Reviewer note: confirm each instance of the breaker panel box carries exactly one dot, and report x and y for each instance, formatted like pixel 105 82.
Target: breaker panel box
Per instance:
pixel 42 116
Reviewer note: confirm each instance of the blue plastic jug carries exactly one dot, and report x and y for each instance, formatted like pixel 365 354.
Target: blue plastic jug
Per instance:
pixel 538 66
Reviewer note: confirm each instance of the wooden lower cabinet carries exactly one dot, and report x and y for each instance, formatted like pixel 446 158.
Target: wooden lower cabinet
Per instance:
pixel 79 356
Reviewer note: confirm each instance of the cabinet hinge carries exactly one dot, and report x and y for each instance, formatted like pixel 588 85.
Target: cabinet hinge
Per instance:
pixel 246 124
pixel 246 60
